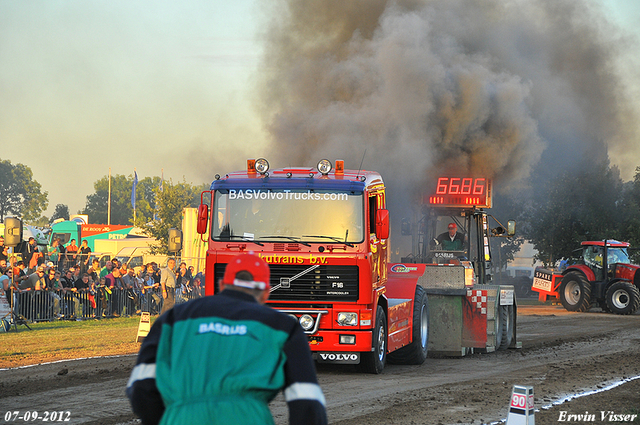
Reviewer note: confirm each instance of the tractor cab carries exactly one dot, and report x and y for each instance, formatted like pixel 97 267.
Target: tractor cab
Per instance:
pixel 454 227
pixel 599 257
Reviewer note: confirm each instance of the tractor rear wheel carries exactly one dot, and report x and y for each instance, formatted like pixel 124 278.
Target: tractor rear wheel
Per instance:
pixel 623 298
pixel 575 292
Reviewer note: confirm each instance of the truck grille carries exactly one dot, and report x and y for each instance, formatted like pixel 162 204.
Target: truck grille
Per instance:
pixel 320 284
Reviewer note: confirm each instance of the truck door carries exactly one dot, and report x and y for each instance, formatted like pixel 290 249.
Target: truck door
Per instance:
pixel 377 246
pixel 593 257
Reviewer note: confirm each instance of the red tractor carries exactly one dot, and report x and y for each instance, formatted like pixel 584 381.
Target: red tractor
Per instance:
pixel 602 276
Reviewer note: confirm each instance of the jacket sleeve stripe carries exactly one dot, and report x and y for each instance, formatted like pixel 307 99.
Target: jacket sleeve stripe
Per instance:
pixel 142 371
pixel 304 391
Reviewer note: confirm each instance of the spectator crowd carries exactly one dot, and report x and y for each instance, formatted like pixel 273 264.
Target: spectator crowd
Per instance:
pixel 68 283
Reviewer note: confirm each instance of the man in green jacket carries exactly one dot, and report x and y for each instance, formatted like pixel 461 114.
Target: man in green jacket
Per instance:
pixel 221 359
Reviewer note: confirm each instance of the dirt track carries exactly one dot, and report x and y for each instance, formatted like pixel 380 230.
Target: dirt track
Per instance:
pixel 563 353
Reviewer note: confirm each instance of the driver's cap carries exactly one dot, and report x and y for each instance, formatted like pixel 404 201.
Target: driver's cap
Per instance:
pixel 252 264
pixel 453 226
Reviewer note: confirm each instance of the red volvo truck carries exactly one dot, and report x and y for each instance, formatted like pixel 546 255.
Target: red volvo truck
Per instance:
pixel 324 232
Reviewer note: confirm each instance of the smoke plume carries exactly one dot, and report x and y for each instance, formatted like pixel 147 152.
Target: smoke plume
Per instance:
pixel 489 87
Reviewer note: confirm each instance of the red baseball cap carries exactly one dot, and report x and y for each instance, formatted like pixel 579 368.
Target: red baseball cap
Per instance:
pixel 252 264
pixel 453 226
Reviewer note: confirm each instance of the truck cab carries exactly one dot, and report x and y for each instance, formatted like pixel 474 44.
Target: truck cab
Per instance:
pixel 324 233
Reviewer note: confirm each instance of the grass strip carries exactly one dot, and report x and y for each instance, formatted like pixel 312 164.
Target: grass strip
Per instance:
pixel 61 340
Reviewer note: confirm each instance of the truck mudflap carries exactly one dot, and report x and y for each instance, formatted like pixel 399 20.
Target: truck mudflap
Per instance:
pixel 336 358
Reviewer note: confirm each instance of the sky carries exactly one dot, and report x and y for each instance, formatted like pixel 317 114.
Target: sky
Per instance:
pixel 192 89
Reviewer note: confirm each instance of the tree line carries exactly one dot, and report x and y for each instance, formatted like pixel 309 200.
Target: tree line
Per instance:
pixel 587 203
pixel 592 203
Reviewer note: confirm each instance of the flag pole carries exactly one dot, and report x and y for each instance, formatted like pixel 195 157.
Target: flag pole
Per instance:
pixel 155 214
pixel 109 200
pixel 134 194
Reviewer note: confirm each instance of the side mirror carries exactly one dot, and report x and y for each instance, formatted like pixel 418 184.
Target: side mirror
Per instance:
pixel 382 224
pixel 12 231
pixel 511 228
pixel 203 219
pixel 405 227
pixel 175 240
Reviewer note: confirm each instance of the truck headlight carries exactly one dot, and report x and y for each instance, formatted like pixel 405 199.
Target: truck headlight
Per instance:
pixel 347 319
pixel 306 321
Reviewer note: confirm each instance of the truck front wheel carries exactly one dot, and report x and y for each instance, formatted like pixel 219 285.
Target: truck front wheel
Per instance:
pixel 416 352
pixel 623 298
pixel 575 292
pixel 374 361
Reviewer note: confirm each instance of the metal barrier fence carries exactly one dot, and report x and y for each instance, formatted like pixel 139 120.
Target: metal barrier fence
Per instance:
pixel 43 306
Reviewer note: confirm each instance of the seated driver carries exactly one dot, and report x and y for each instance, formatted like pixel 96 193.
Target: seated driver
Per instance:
pixel 451 240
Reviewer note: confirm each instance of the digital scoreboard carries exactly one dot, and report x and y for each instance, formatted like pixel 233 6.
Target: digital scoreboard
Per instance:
pixel 461 192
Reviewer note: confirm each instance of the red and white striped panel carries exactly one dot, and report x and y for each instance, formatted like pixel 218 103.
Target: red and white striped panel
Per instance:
pixel 478 299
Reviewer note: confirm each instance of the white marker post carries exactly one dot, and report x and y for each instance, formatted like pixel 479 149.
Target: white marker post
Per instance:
pixel 521 411
pixel 144 326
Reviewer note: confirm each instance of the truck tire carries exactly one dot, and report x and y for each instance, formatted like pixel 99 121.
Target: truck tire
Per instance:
pixel 575 292
pixel 416 352
pixel 374 361
pixel 623 298
pixel 504 334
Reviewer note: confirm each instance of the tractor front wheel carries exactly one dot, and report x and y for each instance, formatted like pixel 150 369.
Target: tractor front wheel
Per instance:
pixel 575 292
pixel 623 298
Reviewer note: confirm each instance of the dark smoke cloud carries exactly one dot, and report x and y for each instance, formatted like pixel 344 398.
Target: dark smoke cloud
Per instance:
pixel 491 87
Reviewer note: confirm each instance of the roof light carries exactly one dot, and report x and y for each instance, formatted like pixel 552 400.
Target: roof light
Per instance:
pixel 262 165
pixel 324 166
pixel 251 166
pixel 339 166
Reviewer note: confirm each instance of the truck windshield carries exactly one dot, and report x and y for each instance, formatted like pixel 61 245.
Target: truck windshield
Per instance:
pixel 283 215
pixel 64 237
